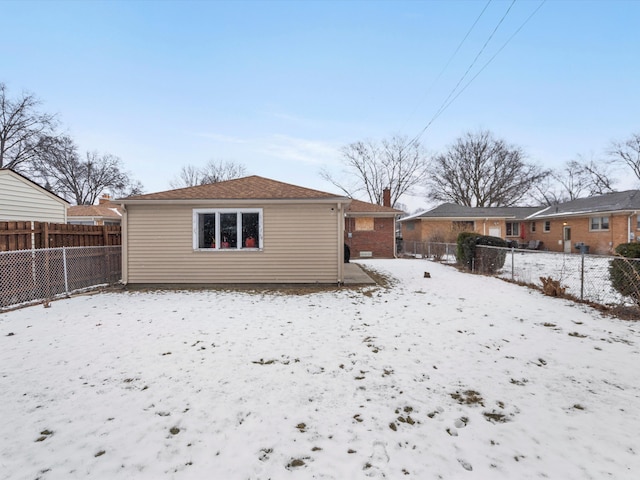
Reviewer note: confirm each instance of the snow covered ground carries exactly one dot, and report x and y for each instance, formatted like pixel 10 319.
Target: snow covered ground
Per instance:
pixel 455 376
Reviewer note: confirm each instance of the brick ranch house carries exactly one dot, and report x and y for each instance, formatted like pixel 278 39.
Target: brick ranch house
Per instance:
pixel 599 223
pixel 370 229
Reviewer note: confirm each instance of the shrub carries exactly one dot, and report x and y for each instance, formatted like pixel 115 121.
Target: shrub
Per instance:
pixel 624 273
pixel 486 260
pixel 490 260
pixel 466 248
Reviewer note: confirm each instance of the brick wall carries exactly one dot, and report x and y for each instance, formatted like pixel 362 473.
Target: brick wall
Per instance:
pixel 599 242
pixel 380 241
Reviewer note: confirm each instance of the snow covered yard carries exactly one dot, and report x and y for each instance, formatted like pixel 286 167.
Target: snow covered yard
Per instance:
pixel 453 376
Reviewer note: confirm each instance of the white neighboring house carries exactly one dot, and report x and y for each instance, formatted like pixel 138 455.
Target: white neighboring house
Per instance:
pixel 24 200
pixel 105 213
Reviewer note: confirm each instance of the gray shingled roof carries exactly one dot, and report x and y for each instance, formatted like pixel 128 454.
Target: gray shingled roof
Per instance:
pixel 609 202
pixel 452 210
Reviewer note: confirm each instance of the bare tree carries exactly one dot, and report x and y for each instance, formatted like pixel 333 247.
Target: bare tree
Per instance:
pixel 81 179
pixel 479 170
pixel 370 167
pixel 22 128
pixel 212 172
pixel 627 153
pixel 577 178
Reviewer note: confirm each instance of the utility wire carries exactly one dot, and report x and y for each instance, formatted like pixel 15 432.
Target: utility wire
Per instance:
pixel 430 88
pixel 449 100
pixel 488 62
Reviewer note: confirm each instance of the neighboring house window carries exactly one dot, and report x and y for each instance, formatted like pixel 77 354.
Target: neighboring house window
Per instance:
pixel 227 229
pixel 533 227
pixel 638 222
pixel 364 223
pixel 599 223
pixel 513 229
pixel 547 226
pixel 463 226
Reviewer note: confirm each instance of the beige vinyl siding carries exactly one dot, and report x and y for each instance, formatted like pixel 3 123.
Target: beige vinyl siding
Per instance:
pixel 300 245
pixel 22 201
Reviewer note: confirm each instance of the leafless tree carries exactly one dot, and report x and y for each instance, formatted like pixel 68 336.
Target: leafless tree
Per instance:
pixel 627 153
pixel 479 170
pixel 370 167
pixel 81 179
pixel 577 178
pixel 212 172
pixel 22 128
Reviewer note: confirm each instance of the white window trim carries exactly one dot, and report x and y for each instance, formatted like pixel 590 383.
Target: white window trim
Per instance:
pixel 517 225
pixel 599 229
pixel 217 212
pixel 544 227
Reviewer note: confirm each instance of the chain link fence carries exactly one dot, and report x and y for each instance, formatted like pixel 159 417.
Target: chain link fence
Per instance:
pixel 582 276
pixel 31 275
pixel 586 277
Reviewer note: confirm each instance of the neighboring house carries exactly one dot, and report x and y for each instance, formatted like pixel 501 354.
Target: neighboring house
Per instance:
pixel 370 229
pixel 105 213
pixel 24 200
pixel 600 223
pixel 243 231
pixel 444 222
pixel 595 224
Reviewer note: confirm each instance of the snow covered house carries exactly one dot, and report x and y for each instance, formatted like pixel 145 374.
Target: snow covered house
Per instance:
pixel 22 199
pixel 251 230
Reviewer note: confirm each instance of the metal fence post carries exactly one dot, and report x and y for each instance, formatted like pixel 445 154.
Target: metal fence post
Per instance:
pixel 582 274
pixel 64 267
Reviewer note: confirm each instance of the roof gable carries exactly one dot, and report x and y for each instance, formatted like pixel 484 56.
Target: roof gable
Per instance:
pixel 246 188
pixel 103 211
pixel 30 183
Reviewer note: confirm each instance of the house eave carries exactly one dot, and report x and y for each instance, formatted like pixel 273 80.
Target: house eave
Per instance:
pixel 239 201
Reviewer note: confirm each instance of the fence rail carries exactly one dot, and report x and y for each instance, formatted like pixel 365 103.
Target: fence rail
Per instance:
pixel 38 274
pixel 30 235
pixel 583 276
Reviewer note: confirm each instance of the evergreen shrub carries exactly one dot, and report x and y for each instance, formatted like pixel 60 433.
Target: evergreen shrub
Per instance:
pixel 625 274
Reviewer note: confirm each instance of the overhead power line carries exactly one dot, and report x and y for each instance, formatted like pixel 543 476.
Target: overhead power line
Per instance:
pixel 453 95
pixel 430 88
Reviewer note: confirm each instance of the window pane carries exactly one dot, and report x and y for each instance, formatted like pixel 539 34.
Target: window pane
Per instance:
pixel 604 223
pixel 509 233
pixel 228 230
pixel 250 230
pixel 207 231
pixel 595 223
pixel 516 229
pixel 547 226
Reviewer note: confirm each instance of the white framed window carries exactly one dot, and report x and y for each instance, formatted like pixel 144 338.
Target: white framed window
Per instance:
pixel 533 227
pixel 599 223
pixel 227 229
pixel 547 226
pixel 513 229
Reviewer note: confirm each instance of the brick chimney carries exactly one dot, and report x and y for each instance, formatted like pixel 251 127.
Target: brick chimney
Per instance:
pixel 386 197
pixel 105 198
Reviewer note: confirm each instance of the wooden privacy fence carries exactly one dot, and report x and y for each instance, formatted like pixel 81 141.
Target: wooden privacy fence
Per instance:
pixel 36 235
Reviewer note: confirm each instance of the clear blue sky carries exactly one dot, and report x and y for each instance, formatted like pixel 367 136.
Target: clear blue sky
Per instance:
pixel 281 86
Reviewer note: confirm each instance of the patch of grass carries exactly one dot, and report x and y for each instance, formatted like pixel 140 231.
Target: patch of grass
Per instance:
pixel 468 397
pixel 495 417
pixel 577 335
